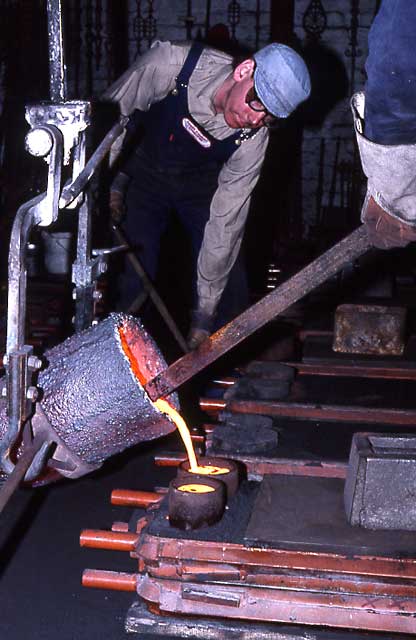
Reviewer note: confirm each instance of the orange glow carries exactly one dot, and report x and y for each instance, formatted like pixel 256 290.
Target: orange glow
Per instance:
pixel 130 356
pixel 162 405
pixel 196 488
pixel 209 470
pixel 166 408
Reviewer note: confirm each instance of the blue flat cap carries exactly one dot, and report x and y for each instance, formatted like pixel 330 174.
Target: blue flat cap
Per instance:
pixel 281 79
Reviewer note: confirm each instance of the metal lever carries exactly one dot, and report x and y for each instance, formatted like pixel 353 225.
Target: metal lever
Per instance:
pixel 328 264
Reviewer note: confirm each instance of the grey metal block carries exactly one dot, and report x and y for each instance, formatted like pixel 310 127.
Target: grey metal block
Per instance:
pixel 380 487
pixel 369 329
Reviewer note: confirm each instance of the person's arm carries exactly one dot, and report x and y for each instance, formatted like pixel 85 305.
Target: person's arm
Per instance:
pixel 117 193
pixel 224 230
pixel 389 209
pixel 148 80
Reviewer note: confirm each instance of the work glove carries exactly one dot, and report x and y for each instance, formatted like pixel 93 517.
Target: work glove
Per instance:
pixel 201 327
pixel 384 230
pixel 117 208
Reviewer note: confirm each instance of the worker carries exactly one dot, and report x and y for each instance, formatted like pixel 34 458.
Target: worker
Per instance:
pixel 204 126
pixel 385 125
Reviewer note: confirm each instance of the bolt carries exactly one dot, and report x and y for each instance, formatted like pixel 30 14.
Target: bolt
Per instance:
pixel 5 360
pixel 4 392
pixel 103 267
pixel 97 295
pixel 32 394
pixel 74 294
pixel 34 362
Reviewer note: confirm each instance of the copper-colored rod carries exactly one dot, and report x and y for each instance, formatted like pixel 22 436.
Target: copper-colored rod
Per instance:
pixel 169 459
pixel 96 539
pixel 295 288
pixel 262 465
pixel 98 579
pixel 139 499
pixel 120 526
pixel 331 368
pixel 197 438
pixel 371 415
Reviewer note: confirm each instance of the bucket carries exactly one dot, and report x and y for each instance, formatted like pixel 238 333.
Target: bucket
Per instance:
pixel 57 251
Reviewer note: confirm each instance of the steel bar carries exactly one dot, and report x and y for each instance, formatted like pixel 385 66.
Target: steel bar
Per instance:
pixel 377 613
pixel 317 272
pixel 118 541
pixel 150 289
pixel 71 191
pixel 283 579
pixel 368 370
pixel 57 81
pixel 262 466
pixel 369 415
pixel 145 619
pixel 121 527
pixel 161 549
pixel 84 301
pixel 14 479
pixel 139 499
pixel 115 580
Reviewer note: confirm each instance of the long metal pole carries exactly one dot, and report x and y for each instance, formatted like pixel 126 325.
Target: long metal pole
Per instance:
pixel 57 80
pixel 19 471
pixel 317 272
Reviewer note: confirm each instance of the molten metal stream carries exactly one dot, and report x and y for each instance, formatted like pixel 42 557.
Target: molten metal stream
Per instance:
pixel 164 407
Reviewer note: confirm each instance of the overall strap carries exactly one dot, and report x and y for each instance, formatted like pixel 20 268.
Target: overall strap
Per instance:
pixel 189 64
pixel 236 138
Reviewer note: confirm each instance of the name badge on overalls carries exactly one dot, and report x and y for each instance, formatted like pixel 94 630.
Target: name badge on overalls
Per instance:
pixel 193 130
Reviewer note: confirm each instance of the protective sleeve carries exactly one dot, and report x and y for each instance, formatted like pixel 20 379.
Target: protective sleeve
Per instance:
pixel 148 80
pixel 390 169
pixel 228 213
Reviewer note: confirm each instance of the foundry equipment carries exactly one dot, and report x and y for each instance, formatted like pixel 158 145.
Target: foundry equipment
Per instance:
pixel 221 544
pixel 71 415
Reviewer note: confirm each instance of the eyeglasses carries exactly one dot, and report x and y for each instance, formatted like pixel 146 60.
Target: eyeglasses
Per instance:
pixel 269 120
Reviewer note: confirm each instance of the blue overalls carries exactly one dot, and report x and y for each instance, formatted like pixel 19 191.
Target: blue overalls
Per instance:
pixel 390 102
pixel 175 168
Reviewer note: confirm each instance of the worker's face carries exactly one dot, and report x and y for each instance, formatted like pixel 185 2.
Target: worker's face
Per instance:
pixel 237 111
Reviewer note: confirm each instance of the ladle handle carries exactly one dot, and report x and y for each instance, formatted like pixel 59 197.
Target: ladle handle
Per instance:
pixel 328 264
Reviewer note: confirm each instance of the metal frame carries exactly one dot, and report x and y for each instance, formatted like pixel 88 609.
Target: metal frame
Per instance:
pixel 58 134
pixel 232 581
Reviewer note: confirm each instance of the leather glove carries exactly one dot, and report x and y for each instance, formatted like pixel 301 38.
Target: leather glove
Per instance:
pixel 117 208
pixel 383 230
pixel 201 328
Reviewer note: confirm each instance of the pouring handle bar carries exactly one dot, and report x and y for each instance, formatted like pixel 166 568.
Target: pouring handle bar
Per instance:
pixel 318 271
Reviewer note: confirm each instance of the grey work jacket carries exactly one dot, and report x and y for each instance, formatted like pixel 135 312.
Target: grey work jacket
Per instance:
pixel 149 80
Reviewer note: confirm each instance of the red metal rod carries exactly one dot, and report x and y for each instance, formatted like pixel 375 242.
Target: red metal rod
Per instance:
pixel 120 526
pixel 368 370
pixel 118 541
pixel 314 274
pixel 98 579
pixel 304 411
pixel 169 459
pixel 262 466
pixel 139 499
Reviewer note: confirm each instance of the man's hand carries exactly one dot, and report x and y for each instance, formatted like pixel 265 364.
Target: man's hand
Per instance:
pixel 384 231
pixel 201 327
pixel 195 337
pixel 117 208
